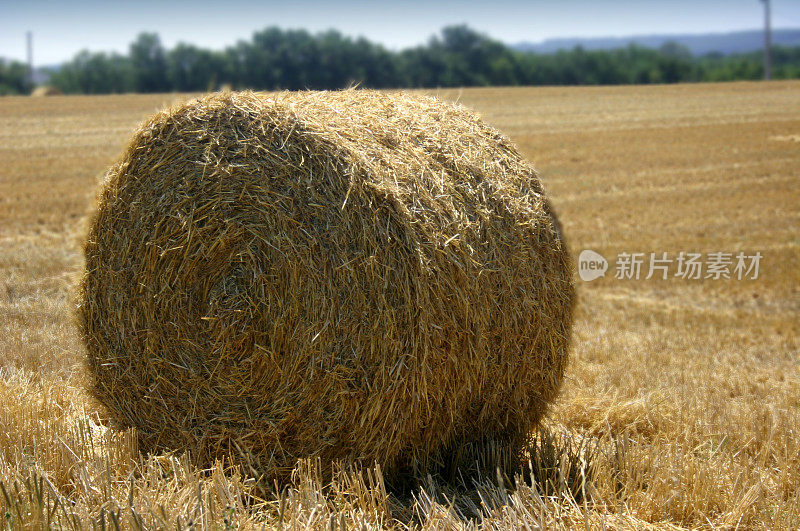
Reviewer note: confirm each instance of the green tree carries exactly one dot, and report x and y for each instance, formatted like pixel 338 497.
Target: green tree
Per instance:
pixel 674 64
pixel 14 78
pixel 149 64
pixel 193 69
pixel 95 73
pixel 460 56
pixel 274 58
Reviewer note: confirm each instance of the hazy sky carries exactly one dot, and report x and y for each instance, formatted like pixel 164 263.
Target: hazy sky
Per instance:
pixel 62 28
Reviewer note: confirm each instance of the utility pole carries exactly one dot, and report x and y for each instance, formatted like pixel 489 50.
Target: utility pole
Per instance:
pixel 30 56
pixel 767 42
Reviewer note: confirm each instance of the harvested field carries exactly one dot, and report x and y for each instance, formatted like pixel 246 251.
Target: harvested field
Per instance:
pixel 681 406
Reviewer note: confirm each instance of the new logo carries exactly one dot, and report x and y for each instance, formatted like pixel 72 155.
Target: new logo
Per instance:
pixel 591 265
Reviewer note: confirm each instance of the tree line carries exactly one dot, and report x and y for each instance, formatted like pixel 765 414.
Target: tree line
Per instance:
pixel 275 58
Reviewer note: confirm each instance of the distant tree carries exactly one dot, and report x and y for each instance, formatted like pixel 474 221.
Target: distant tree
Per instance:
pixel 674 64
pixel 785 62
pixel 14 78
pixel 274 58
pixel 422 67
pixel 95 73
pixel 149 64
pixel 674 50
pixel 193 69
pixel 377 67
pixel 338 61
pixel 296 59
pixel 460 56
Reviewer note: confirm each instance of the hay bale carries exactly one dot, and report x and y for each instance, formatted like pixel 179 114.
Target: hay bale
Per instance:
pixel 46 90
pixel 350 275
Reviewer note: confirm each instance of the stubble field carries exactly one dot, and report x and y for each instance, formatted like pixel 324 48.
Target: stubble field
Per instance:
pixel 682 403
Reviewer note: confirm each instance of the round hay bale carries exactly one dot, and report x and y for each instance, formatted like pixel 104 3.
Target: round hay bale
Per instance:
pixel 346 275
pixel 46 90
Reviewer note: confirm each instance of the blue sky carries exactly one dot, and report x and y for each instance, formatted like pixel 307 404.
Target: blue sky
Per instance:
pixel 62 28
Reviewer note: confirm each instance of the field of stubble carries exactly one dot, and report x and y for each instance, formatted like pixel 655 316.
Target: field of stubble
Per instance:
pixel 682 404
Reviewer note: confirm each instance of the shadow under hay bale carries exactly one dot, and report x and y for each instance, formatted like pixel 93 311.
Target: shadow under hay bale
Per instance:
pixel 339 275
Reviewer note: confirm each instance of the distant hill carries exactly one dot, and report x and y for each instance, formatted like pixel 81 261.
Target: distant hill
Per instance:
pixel 726 43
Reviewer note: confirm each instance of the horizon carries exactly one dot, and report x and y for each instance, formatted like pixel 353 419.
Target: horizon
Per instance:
pixel 98 27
